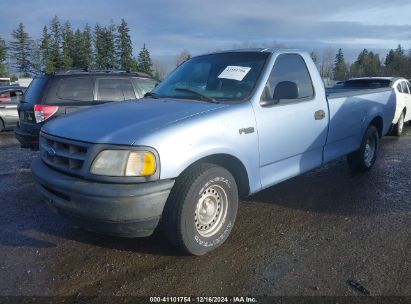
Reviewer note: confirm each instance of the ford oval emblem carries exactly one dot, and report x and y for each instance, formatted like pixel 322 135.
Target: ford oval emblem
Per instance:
pixel 51 151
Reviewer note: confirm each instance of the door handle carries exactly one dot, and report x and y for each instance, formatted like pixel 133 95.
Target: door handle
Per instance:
pixel 318 115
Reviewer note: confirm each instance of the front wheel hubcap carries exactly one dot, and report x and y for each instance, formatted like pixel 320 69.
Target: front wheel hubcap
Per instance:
pixel 211 211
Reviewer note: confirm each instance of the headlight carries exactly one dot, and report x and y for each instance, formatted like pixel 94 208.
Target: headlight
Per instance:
pixel 124 163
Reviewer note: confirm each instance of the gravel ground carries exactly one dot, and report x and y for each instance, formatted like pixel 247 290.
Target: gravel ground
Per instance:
pixel 306 236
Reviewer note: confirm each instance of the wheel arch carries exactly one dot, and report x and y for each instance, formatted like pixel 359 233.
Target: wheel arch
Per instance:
pixel 231 164
pixel 378 122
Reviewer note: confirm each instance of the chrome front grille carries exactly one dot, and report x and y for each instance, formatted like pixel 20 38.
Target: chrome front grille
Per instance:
pixel 63 154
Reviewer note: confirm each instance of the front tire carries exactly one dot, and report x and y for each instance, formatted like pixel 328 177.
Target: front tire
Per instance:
pixel 399 126
pixel 363 159
pixel 201 210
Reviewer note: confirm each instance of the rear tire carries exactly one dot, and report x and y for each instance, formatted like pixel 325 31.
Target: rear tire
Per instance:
pixel 399 126
pixel 1 125
pixel 363 159
pixel 201 210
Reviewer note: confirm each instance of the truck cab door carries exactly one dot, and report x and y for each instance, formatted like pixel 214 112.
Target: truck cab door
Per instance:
pixel 292 121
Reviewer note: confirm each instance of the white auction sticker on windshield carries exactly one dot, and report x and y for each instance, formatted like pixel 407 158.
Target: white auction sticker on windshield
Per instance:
pixel 234 72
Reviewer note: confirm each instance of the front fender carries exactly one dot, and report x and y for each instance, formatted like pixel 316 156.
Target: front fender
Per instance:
pixel 185 142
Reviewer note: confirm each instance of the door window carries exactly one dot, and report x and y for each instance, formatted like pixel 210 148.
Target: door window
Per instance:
pixel 399 88
pixel 409 87
pixel 289 80
pixel 404 87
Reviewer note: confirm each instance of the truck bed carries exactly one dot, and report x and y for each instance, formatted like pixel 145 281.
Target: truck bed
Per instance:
pixel 350 111
pixel 338 92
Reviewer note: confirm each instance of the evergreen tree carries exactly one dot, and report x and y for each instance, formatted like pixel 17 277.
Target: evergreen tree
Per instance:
pixel 87 47
pixel 144 61
pixel 67 45
pixel 99 46
pixel 46 63
pixel 77 56
pixel 124 46
pixel 3 57
pixel 105 47
pixel 397 63
pixel 134 65
pixel 374 64
pixel 367 64
pixel 340 69
pixel 21 48
pixel 36 58
pixel 111 46
pixel 55 56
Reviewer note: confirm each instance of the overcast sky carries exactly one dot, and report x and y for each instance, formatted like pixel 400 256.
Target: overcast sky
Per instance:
pixel 168 27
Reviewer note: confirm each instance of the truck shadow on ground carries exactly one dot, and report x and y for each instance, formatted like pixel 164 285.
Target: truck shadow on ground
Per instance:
pixel 334 189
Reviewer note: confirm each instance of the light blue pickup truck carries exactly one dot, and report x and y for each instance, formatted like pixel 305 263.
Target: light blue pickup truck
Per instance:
pixel 221 126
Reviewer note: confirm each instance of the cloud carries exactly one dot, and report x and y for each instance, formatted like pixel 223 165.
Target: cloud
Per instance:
pixel 167 27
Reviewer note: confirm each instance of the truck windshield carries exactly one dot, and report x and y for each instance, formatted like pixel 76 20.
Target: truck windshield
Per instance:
pixel 229 76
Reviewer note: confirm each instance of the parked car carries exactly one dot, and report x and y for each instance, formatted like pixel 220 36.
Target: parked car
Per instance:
pixel 9 99
pixel 402 88
pixel 5 81
pixel 56 94
pixel 11 93
pixel 222 125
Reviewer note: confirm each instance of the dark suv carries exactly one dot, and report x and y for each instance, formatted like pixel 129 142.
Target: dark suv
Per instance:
pixel 56 94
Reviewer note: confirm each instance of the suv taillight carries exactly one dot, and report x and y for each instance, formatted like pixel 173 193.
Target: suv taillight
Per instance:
pixel 42 113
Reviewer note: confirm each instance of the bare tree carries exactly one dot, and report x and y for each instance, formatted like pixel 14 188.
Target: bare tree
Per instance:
pixel 327 62
pixel 182 57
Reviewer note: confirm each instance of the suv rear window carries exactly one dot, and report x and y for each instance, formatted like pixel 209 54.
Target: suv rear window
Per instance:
pixel 34 92
pixel 115 89
pixel 77 89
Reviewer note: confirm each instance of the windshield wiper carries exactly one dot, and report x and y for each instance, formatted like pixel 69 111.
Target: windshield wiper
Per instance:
pixel 203 97
pixel 151 94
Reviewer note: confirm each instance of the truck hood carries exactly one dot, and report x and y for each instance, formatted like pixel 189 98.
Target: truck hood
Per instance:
pixel 124 122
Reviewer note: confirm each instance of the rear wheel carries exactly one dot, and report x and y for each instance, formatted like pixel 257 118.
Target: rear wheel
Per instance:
pixel 1 125
pixel 364 158
pixel 201 210
pixel 399 126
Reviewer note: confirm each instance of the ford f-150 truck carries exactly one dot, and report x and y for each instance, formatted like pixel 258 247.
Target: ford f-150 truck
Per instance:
pixel 221 126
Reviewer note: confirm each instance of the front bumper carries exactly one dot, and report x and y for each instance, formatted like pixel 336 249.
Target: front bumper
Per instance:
pixel 127 210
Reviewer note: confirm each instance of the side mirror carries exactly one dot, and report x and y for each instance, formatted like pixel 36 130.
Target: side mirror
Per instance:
pixel 285 90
